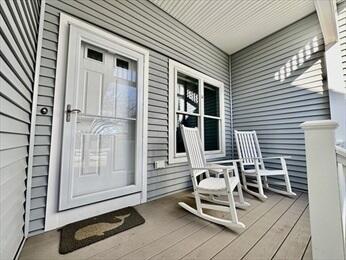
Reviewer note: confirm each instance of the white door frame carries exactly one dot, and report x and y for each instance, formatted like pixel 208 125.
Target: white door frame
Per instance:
pixel 55 219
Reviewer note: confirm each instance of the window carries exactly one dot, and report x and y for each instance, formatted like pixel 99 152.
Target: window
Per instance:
pixel 195 100
pixel 94 54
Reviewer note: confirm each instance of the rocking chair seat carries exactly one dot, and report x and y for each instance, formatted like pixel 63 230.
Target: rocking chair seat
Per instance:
pixel 264 172
pixel 217 184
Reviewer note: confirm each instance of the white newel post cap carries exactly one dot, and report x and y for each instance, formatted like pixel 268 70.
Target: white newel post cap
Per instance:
pixel 319 124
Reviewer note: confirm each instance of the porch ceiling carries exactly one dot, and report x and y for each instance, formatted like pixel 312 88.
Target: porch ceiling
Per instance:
pixel 234 24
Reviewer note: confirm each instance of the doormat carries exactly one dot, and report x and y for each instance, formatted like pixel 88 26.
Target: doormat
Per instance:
pixel 91 230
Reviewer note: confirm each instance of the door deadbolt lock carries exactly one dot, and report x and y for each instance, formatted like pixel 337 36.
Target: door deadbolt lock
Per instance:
pixel 69 111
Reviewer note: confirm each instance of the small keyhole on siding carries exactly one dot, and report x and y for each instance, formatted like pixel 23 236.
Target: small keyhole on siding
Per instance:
pixel 122 64
pixel 95 55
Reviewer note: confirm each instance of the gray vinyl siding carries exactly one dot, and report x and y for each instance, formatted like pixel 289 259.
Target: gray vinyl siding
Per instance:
pixel 342 35
pixel 276 108
pixel 19 30
pixel 144 23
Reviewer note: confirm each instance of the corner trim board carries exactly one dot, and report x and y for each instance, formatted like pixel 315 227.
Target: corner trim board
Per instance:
pixel 33 120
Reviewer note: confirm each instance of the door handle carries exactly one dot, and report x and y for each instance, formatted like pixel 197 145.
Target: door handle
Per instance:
pixel 69 111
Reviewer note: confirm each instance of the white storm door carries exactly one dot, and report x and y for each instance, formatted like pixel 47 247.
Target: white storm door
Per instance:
pixel 101 133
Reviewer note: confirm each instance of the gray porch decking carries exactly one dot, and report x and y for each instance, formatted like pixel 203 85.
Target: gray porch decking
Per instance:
pixel 276 229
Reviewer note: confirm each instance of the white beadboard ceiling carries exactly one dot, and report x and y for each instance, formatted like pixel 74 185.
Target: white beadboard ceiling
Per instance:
pixel 234 24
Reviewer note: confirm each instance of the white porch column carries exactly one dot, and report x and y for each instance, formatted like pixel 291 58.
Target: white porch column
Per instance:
pixel 336 87
pixel 324 195
pixel 327 15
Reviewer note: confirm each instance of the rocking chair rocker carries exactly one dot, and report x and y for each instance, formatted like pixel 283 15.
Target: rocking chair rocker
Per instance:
pixel 211 188
pixel 252 165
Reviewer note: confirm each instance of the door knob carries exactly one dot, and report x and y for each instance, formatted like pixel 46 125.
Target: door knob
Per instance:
pixel 69 110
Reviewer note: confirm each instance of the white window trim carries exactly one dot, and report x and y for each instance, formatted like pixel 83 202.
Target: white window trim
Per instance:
pixel 174 67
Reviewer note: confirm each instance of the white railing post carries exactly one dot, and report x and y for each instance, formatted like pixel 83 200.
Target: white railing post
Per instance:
pixel 324 194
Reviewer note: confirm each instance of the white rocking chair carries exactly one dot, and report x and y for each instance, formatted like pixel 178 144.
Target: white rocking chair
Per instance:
pixel 252 166
pixel 211 188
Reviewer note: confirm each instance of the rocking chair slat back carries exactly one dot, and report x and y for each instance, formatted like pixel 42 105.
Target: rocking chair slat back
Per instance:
pixel 247 146
pixel 194 148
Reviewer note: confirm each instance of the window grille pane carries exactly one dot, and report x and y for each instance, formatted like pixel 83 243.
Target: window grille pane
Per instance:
pixel 188 121
pixel 95 55
pixel 211 100
pixel 211 134
pixel 187 94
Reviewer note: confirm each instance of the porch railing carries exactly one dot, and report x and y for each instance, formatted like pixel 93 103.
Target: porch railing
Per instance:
pixel 326 170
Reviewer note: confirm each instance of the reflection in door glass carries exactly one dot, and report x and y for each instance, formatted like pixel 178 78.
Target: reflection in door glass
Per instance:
pixel 106 147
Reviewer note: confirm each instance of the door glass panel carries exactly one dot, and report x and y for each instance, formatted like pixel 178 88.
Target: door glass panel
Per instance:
pixel 105 134
pixel 126 96
pixel 125 69
pixel 186 120
pixel 211 134
pixel 211 100
pixel 187 94
pixel 94 54
pixel 104 148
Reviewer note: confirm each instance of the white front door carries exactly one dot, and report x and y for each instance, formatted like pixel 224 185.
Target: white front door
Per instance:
pixel 101 142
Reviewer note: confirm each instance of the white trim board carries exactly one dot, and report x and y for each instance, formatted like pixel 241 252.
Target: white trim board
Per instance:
pixel 33 119
pixel 327 16
pixel 55 219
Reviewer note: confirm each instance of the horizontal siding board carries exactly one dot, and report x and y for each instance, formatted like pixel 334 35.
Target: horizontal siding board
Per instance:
pixel 38 203
pixel 10 156
pixel 14 167
pixel 11 125
pixel 281 37
pixel 36 226
pixel 290 46
pixel 40 171
pixel 15 64
pixel 270 69
pixel 9 108
pixel 299 53
pixel 8 75
pixel 274 92
pixel 37 213
pixel 26 24
pixel 16 46
pixel 153 194
pixel 38 192
pixel 10 141
pixel 10 12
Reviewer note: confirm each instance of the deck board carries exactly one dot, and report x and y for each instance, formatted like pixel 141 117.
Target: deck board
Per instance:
pixel 308 252
pixel 268 244
pixel 296 242
pixel 245 241
pixel 277 228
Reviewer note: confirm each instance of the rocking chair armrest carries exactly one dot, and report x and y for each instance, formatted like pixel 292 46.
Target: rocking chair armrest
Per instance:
pixel 225 161
pixel 277 157
pixel 214 167
pixel 267 158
